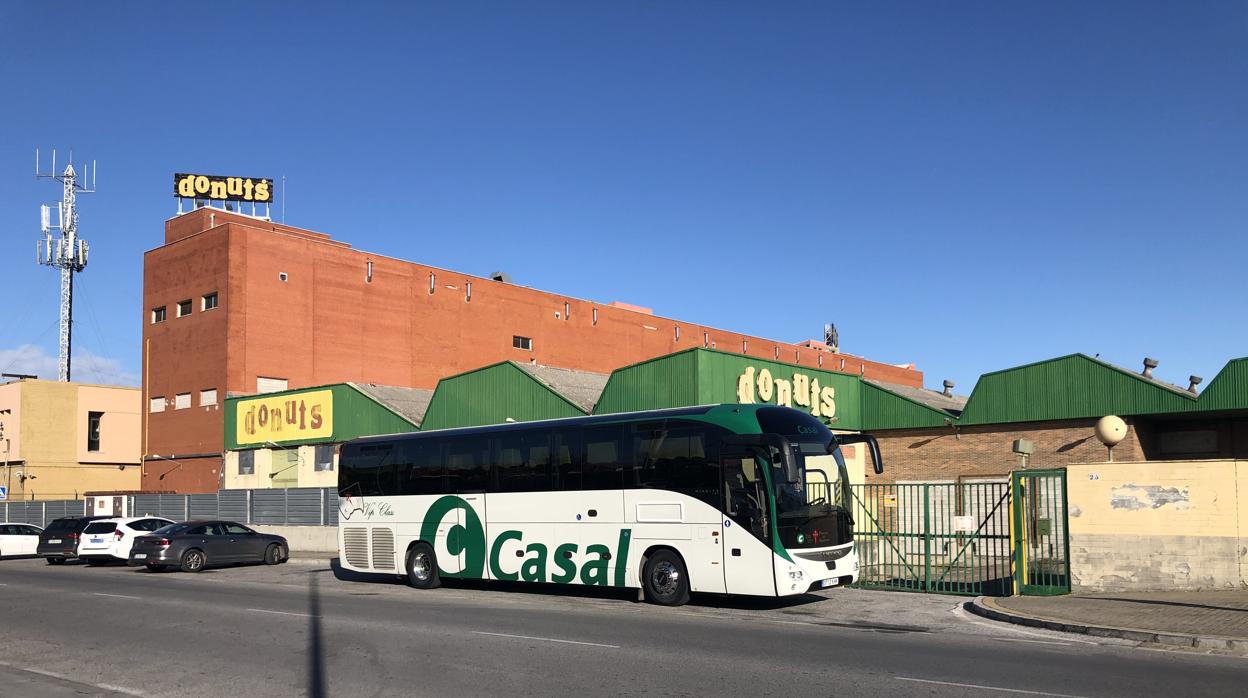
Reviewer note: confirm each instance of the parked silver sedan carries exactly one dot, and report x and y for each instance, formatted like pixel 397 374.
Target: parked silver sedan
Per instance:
pixel 193 545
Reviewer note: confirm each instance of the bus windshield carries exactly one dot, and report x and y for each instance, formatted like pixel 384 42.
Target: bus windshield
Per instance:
pixel 810 512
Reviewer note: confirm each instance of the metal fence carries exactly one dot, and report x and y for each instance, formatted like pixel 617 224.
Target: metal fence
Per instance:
pixel 952 538
pixel 295 506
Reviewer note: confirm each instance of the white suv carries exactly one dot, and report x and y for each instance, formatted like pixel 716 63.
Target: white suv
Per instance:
pixel 111 539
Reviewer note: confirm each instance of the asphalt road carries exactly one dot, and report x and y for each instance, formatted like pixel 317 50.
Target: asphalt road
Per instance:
pixel 299 629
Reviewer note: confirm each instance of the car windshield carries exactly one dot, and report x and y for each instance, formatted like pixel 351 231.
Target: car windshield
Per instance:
pixel 62 526
pixel 171 529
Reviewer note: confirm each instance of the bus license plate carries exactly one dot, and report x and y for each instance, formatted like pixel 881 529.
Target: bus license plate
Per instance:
pixel 140 556
pixel 827 583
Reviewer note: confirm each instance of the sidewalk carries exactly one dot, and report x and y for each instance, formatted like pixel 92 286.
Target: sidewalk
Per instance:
pixel 1201 619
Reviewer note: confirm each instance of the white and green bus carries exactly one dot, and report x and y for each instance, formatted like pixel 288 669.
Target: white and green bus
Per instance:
pixel 736 499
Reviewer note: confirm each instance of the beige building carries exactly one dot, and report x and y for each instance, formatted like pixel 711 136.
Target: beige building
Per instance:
pixel 63 439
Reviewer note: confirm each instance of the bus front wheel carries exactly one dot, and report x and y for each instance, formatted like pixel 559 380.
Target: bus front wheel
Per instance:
pixel 665 579
pixel 422 567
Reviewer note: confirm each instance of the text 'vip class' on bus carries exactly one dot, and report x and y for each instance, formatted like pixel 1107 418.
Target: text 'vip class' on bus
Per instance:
pixel 736 499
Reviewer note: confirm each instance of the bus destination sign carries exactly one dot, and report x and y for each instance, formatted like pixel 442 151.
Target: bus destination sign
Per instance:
pixel 197 186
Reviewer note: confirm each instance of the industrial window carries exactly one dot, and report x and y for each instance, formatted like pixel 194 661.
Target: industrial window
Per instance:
pixel 676 333
pixel 158 314
pixel 93 430
pixel 706 339
pixel 207 397
pixel 745 346
pixel 468 292
pixel 595 316
pixel 368 276
pixel 323 459
pixel 209 301
pixel 157 404
pixel 246 462
pixel 181 401
pixel 270 385
pixel 184 308
pixel 567 310
pixel 519 342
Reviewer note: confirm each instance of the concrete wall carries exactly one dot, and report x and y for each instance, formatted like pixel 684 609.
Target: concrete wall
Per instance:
pixel 1141 526
pixel 306 539
pixel 305 472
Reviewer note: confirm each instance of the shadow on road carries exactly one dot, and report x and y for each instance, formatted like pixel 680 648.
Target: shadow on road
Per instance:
pixel 316 645
pixel 582 591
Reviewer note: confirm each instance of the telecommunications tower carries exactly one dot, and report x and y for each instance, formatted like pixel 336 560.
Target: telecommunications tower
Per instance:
pixel 67 252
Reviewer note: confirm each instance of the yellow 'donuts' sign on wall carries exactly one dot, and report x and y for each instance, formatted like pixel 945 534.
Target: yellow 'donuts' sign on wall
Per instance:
pixel 197 186
pixel 285 418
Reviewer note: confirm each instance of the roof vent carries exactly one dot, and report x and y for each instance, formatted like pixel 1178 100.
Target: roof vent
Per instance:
pixel 1149 365
pixel 948 388
pixel 501 276
pixel 1195 381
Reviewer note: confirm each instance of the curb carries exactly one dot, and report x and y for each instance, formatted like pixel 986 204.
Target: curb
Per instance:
pixel 326 561
pixel 986 608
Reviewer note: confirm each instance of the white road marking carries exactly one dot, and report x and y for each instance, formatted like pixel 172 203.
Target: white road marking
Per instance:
pixel 120 596
pixel 65 677
pixel 282 613
pixel 546 639
pixel 988 688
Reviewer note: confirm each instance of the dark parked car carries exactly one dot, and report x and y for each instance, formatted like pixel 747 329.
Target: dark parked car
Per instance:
pixel 59 541
pixel 194 545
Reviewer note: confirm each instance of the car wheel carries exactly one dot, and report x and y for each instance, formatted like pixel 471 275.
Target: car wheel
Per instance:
pixel 152 567
pixel 193 560
pixel 273 554
pixel 666 580
pixel 56 561
pixel 422 567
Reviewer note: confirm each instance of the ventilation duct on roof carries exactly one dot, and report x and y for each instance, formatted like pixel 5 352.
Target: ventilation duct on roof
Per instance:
pixel 948 388
pixel 1149 365
pixel 501 276
pixel 1195 381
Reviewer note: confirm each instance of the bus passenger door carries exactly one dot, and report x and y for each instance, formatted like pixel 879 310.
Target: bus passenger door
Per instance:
pixel 747 524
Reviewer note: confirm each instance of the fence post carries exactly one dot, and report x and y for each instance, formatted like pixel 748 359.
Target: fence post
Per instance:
pixel 927 538
pixel 43 516
pixel 249 516
pixel 324 506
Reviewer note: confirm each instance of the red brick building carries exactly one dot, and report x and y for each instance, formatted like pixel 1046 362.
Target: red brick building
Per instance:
pixel 234 305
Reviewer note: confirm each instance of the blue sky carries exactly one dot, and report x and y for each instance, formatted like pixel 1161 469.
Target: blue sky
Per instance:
pixel 968 186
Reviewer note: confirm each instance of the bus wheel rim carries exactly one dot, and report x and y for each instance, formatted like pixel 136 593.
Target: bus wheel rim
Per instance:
pixel 665 578
pixel 420 566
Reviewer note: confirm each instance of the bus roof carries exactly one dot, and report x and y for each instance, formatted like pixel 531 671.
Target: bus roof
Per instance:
pixel 563 421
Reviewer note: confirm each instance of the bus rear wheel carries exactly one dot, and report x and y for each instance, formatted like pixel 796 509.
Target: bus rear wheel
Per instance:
pixel 665 579
pixel 422 567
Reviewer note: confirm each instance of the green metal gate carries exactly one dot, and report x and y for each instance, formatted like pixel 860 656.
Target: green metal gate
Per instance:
pixel 951 538
pixel 1041 542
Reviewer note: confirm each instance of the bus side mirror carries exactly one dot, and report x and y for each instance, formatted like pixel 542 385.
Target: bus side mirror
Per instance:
pixel 869 440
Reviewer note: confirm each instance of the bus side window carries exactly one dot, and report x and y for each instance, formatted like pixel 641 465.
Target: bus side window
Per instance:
pixel 603 458
pixel 467 465
pixel 420 468
pixel 522 462
pixel 567 444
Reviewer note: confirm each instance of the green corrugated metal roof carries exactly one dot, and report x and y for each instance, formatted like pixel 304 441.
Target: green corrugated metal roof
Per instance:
pixel 704 376
pixel 492 395
pixel 1080 386
pixel 354 414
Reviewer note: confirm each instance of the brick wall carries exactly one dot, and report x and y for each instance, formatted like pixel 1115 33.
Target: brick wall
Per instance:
pixel 940 454
pixel 295 304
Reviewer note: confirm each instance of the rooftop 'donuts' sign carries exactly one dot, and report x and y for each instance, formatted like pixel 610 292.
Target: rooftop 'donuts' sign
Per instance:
pixel 278 418
pixel 800 390
pixel 196 186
